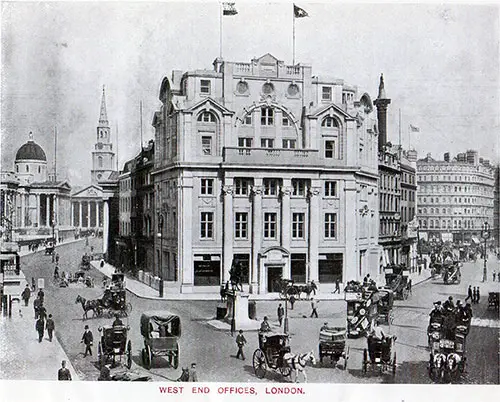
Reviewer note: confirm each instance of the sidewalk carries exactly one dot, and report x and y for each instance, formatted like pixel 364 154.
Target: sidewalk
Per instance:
pixel 144 291
pixel 25 250
pixel 22 357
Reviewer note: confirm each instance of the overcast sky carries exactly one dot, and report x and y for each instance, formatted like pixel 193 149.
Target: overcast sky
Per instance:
pixel 440 63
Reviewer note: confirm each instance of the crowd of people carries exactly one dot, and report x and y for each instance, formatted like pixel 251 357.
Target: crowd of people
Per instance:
pixel 450 315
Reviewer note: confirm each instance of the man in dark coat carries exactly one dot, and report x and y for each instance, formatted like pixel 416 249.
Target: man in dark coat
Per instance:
pixel 36 305
pixel 88 340
pixel 469 294
pixel 50 326
pixel 40 328
pixel 64 374
pixel 26 295
pixel 41 295
pixel 42 311
pixel 117 322
pixel 281 314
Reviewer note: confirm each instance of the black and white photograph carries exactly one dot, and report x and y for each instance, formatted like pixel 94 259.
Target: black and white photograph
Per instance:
pixel 253 196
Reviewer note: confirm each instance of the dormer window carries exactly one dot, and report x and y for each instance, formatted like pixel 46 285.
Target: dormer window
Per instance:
pixel 206 117
pixel 205 87
pixel 329 122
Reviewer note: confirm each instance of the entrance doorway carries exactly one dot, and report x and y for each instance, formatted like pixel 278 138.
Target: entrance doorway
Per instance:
pixel 274 274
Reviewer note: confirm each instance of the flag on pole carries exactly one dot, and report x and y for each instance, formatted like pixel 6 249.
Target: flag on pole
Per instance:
pixel 299 12
pixel 229 9
pixel 414 129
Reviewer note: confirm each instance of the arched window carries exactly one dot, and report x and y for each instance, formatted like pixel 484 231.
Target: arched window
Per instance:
pixel 206 117
pixel 99 161
pixel 329 122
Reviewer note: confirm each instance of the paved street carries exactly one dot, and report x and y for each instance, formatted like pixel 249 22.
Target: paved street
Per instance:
pixel 214 350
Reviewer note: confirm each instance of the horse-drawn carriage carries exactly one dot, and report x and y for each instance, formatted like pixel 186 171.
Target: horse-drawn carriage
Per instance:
pixel 362 308
pixel 270 354
pixel 385 305
pixel 380 354
pixel 451 273
pixel 397 279
pixel 114 299
pixel 332 342
pixel 50 247
pixel 161 331
pixel 114 344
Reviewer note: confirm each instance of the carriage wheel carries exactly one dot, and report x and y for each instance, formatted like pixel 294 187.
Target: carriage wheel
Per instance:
pixel 259 363
pixel 175 363
pixel 147 357
pixel 346 357
pixel 394 365
pixel 100 357
pixel 285 371
pixel 128 308
pixel 129 354
pixel 365 360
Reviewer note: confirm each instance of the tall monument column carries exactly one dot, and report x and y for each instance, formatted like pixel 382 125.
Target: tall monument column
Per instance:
pixel 381 103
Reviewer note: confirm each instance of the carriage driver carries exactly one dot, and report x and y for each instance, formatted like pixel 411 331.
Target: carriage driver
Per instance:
pixel 117 322
pixel 264 327
pixel 378 333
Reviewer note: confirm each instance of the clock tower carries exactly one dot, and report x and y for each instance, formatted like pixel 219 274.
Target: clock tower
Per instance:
pixel 103 157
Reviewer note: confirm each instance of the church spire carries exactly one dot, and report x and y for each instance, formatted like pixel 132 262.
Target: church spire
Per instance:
pixel 103 116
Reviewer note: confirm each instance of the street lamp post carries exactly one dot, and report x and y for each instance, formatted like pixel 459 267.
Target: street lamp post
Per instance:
pixel 160 271
pixel 285 321
pixel 485 234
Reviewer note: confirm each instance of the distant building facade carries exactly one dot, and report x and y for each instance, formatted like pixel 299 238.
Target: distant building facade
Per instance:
pixel 455 197
pixel 265 164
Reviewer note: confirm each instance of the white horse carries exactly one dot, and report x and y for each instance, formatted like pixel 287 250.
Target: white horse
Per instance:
pixel 297 363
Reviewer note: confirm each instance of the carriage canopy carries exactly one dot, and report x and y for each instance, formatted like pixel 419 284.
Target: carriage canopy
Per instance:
pixel 158 318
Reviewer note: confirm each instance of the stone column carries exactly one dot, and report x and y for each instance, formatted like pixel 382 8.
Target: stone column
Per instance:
pixel 23 210
pixel 106 227
pixel 228 229
pixel 80 207
pixel 96 204
pixel 88 214
pixel 286 191
pixel 351 260
pixel 73 213
pixel 47 210
pixel 314 230
pixel 185 211
pixel 256 238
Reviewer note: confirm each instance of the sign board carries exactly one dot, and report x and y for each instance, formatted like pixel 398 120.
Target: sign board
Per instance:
pixel 447 237
pixel 12 288
pixel 41 283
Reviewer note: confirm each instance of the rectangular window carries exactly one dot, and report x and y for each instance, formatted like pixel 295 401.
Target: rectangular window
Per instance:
pixel 207 225
pixel 298 225
pixel 270 186
pixel 267 143
pixel 241 186
pixel 247 121
pixel 299 187
pixel 298 265
pixel 241 225
pixel 205 87
pixel 285 122
pixel 330 267
pixel 244 261
pixel 326 93
pixel 266 116
pixel 270 222
pixel 207 186
pixel 289 144
pixel 206 145
pixel 245 142
pixel 330 188
pixel 330 226
pixel 330 149
pixel 207 270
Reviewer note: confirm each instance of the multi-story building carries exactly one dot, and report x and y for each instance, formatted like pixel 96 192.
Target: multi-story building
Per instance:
pixel 136 232
pixel 455 197
pixel 496 208
pixel 263 163
pixel 397 188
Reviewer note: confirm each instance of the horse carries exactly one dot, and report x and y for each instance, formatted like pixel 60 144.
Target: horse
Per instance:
pixel 297 363
pixel 235 274
pixel 438 367
pixel 87 305
pixel 453 365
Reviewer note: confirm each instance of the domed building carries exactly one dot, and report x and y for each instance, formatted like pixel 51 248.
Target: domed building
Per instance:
pixel 39 206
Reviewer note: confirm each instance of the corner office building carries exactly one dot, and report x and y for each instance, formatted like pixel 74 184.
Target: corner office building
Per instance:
pixel 264 163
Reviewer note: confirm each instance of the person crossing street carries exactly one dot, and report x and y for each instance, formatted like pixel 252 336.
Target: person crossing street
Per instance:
pixel 50 326
pixel 40 328
pixel 88 340
pixel 240 341
pixel 26 295
pixel 314 307
pixel 281 314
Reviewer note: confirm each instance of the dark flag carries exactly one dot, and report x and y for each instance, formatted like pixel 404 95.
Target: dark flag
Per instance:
pixel 229 9
pixel 299 12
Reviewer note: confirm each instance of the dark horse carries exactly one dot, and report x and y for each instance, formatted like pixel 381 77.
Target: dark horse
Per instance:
pixel 235 274
pixel 87 305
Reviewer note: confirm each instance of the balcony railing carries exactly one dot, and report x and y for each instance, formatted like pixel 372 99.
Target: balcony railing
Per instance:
pixel 272 156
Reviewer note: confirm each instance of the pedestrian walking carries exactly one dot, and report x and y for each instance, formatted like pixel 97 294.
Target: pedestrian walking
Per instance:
pixel 474 295
pixel 33 284
pixel 469 294
pixel 281 313
pixel 292 301
pixel 40 328
pixel 26 295
pixel 57 258
pixel 64 374
pixel 42 312
pixel 240 341
pixel 88 340
pixel 36 306
pixel 41 295
pixel 494 276
pixel 337 286
pixel 478 295
pixel 193 376
pixel 314 307
pixel 50 326
pixel 314 287
pixel 409 286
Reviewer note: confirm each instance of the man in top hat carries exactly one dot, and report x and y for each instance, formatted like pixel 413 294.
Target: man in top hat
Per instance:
pixel 88 340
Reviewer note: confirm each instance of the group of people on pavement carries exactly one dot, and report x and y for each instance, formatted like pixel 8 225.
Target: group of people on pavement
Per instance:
pixel 43 322
pixel 473 294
